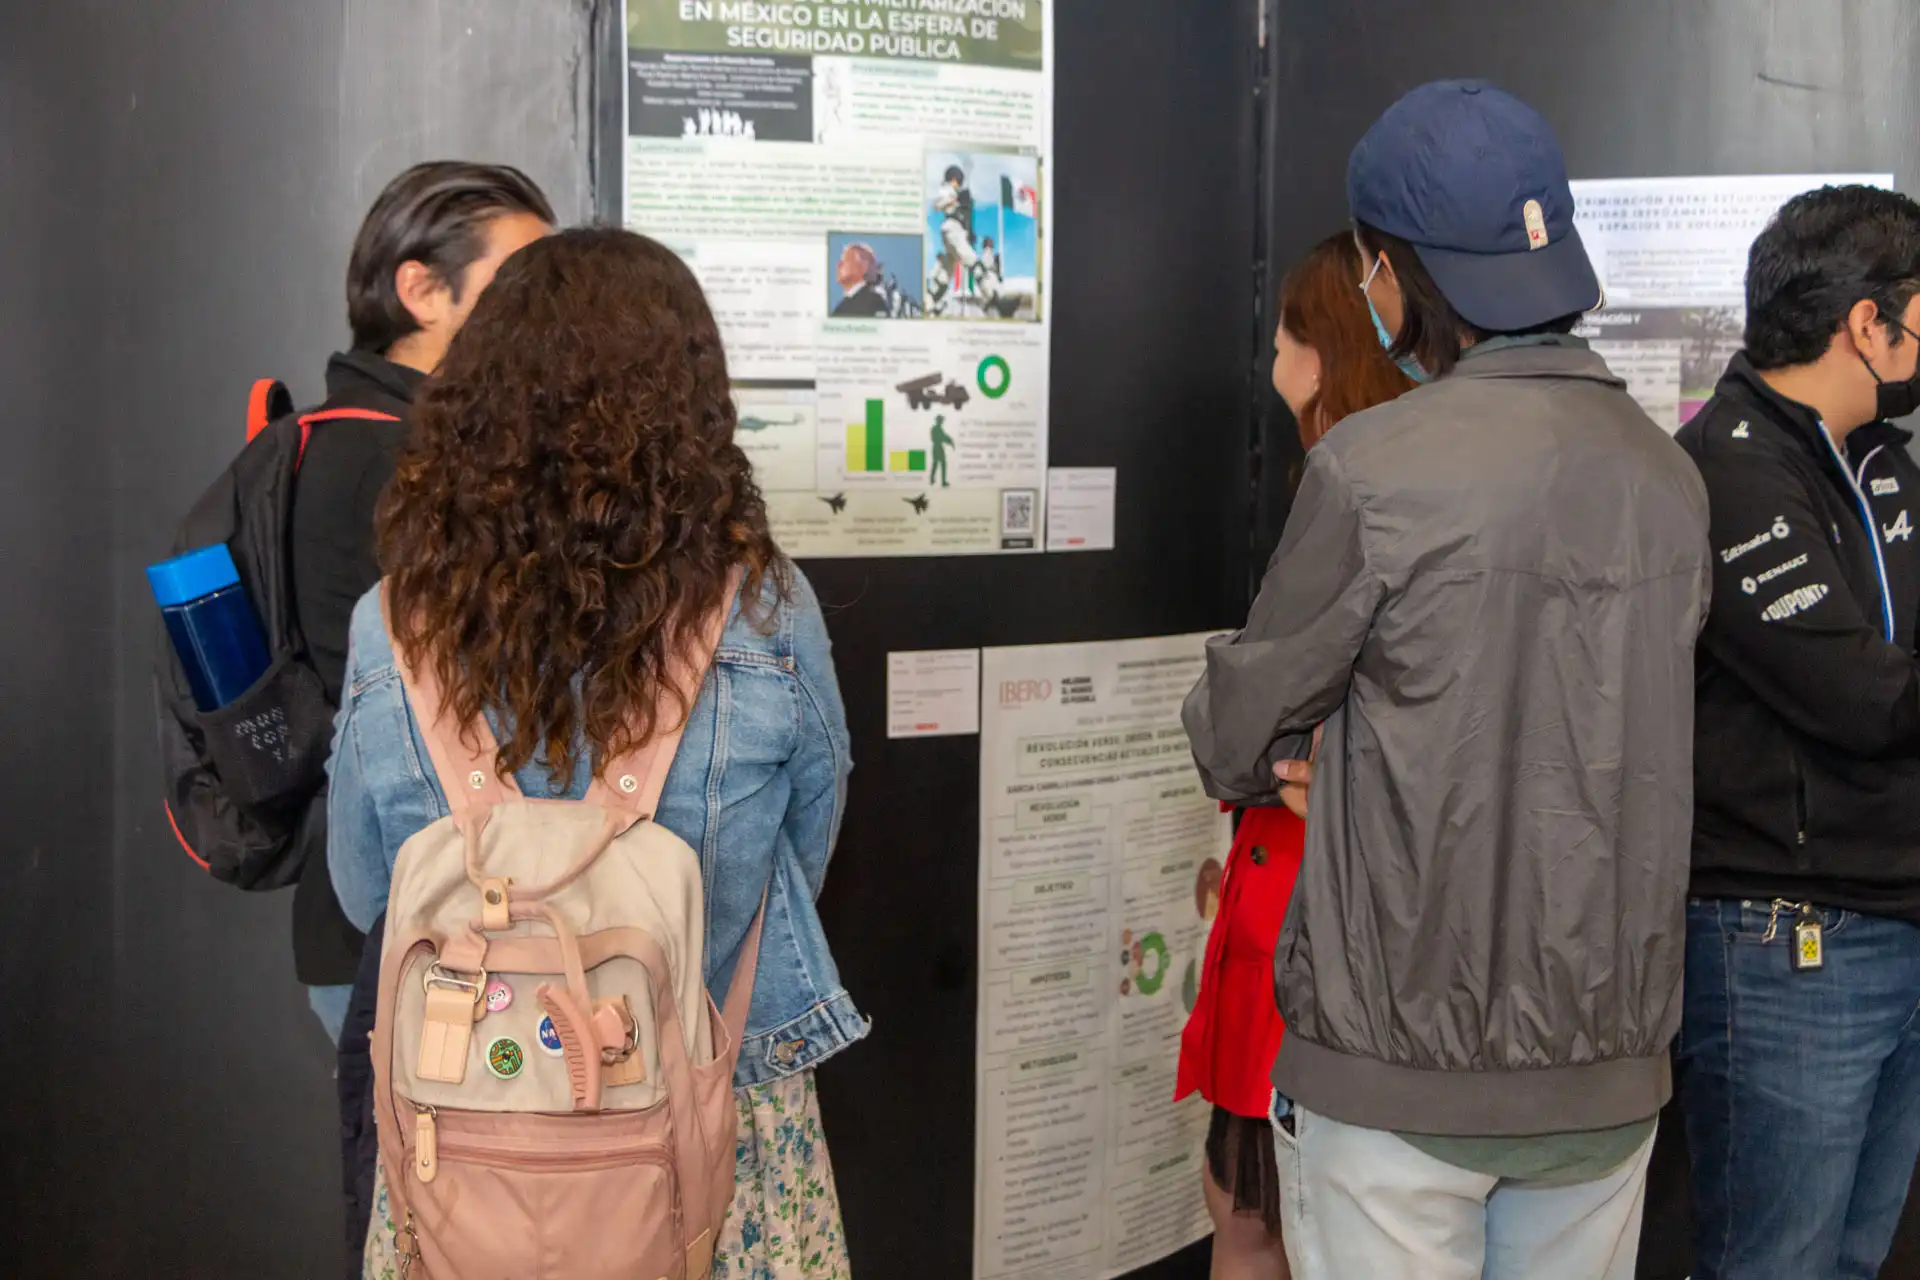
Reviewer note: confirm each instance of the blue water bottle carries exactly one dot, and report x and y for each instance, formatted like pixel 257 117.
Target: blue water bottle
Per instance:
pixel 212 624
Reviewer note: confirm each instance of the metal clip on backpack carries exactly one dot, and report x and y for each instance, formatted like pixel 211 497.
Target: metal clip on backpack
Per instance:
pixel 553 1084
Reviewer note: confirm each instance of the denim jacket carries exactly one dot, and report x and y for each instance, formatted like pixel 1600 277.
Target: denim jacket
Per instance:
pixel 757 790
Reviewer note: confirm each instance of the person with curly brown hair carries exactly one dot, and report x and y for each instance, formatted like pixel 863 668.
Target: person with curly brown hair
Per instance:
pixel 570 511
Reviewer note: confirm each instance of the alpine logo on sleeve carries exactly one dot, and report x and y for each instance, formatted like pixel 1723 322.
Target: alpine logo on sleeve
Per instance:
pixel 1900 530
pixel 1740 432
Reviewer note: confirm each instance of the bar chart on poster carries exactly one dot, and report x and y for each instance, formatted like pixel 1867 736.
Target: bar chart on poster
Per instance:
pixel 863 188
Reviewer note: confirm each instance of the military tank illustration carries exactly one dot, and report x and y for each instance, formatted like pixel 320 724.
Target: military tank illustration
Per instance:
pixel 924 393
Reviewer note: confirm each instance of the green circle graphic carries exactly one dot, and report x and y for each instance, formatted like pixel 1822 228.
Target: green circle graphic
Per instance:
pixel 1152 945
pixel 991 364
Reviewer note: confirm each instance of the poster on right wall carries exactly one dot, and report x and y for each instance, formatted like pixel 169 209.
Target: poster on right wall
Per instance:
pixel 1672 256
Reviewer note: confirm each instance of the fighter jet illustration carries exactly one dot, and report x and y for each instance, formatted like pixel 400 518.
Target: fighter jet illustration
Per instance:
pixel 924 393
pixel 761 424
pixel 838 502
pixel 919 504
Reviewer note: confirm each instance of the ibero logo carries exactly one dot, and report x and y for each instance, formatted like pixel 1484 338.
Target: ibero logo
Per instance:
pixel 1020 693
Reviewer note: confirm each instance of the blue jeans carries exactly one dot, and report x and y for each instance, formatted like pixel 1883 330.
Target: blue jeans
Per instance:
pixel 1801 1091
pixel 329 1004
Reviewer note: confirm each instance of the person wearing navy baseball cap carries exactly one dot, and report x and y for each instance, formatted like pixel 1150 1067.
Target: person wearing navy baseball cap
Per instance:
pixel 1466 219
pixel 1485 605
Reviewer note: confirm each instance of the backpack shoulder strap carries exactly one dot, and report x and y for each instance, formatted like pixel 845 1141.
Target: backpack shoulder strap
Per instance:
pixel 268 400
pixel 464 760
pixel 632 783
pixel 745 970
pixel 307 421
pixel 464 756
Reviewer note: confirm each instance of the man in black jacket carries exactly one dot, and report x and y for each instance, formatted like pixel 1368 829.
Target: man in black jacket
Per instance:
pixel 429 245
pixel 1800 1044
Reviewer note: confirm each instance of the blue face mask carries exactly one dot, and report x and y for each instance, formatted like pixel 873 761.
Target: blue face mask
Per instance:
pixel 1408 365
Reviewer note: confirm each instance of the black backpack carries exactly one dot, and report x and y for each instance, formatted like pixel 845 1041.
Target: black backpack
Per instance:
pixel 242 781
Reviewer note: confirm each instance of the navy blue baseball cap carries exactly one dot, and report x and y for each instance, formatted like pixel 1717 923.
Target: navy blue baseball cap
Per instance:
pixel 1473 179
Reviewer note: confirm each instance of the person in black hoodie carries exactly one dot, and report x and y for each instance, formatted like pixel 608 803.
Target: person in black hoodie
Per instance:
pixel 427 248
pixel 1800 1043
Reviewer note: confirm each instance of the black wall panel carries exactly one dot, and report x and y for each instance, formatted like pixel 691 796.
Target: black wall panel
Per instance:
pixel 1152 322
pixel 179 183
pixel 1634 88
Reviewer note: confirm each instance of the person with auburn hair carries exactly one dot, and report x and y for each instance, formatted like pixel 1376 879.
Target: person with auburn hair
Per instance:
pixel 571 511
pixel 1326 365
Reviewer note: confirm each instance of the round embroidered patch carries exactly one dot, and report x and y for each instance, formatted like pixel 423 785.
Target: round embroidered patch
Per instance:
pixel 505 1058
pixel 549 1038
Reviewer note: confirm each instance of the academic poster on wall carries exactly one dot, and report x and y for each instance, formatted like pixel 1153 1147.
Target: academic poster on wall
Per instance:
pixel 1672 256
pixel 1100 865
pixel 864 189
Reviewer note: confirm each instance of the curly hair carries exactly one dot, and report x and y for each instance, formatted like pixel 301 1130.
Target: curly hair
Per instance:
pixel 571 506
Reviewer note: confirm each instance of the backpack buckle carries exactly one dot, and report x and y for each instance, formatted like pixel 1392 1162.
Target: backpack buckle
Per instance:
pixel 454 1004
pixel 438 975
pixel 619 1033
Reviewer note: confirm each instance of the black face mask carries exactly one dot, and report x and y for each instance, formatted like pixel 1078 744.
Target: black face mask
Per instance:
pixel 1894 399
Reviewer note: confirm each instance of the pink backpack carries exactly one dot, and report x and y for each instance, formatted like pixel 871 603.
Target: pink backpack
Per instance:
pixel 553 1084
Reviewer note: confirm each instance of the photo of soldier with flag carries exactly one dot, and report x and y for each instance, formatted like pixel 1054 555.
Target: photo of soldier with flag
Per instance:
pixel 982 240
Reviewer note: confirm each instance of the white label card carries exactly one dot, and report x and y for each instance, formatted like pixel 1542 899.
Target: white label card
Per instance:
pixel 1080 505
pixel 933 693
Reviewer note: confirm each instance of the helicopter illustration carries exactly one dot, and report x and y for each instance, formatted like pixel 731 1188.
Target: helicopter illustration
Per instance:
pixel 838 502
pixel 761 424
pixel 919 504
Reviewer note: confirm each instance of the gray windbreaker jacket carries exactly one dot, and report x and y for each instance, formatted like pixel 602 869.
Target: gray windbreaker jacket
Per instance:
pixel 1489 592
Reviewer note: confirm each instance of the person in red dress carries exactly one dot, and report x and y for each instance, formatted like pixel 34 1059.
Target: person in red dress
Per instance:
pixel 1327 365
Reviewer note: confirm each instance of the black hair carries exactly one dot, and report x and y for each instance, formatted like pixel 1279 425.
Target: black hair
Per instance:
pixel 954 174
pixel 1822 253
pixel 1431 331
pixel 432 214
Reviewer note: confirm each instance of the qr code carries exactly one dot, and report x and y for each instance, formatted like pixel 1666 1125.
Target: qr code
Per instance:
pixel 1016 513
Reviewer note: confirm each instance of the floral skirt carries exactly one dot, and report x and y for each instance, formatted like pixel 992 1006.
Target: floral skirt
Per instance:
pixel 785 1220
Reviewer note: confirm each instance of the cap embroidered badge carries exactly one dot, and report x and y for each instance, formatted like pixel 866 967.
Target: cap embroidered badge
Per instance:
pixel 1536 225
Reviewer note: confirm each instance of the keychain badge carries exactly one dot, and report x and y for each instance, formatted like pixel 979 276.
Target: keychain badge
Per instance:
pixel 1809 942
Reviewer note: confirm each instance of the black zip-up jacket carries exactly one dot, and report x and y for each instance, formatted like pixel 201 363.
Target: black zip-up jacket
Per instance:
pixel 1807 729
pixel 346 465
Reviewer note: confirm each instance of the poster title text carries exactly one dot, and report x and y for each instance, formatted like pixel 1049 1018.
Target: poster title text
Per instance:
pixel 927 30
